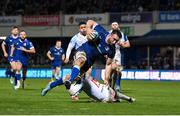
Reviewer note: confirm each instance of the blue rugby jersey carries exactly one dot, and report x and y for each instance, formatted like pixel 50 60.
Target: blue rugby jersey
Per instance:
pixel 9 41
pixel 56 53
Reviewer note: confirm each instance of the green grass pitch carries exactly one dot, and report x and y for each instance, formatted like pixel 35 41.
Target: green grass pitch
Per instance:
pixel 152 97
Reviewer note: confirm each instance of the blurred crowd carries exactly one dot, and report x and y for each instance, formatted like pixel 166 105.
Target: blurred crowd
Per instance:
pixel 48 7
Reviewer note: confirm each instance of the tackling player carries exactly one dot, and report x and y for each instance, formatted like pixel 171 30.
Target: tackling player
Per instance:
pixel 8 43
pixel 19 56
pixel 97 91
pixel 117 65
pixel 56 55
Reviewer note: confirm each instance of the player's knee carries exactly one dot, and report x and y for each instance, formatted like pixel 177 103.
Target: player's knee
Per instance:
pixel 80 58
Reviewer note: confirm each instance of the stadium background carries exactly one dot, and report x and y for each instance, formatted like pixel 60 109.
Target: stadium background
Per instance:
pixel 153 28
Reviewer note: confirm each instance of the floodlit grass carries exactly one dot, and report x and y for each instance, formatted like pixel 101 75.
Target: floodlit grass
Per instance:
pixel 152 97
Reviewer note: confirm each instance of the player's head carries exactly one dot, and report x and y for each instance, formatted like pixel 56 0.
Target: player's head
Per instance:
pixel 23 35
pixel 58 43
pixel 114 37
pixel 82 28
pixel 115 26
pixel 15 30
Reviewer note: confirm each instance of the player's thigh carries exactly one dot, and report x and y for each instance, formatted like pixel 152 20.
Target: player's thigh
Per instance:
pixel 58 69
pixel 13 65
pixel 18 65
pixel 53 70
pixel 114 66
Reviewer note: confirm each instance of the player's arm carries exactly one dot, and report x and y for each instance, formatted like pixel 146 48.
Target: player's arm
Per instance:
pixel 49 56
pixel 4 49
pixel 12 51
pixel 63 56
pixel 125 43
pixel 69 49
pixel 31 50
pixel 90 26
pixel 107 70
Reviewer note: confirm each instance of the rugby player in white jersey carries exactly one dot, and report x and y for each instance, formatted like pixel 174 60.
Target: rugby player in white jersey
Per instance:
pixel 117 65
pixel 97 91
pixel 76 41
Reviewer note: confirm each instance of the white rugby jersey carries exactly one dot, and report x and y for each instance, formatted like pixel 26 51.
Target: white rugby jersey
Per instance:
pixel 76 41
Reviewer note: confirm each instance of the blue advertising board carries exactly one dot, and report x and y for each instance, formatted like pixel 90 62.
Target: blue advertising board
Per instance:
pixel 99 74
pixel 169 17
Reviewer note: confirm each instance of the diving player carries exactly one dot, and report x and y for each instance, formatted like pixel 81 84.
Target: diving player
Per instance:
pixel 19 55
pixel 56 55
pixel 88 52
pixel 100 42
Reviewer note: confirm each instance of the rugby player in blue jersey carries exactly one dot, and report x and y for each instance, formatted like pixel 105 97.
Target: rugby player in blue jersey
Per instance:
pixel 6 47
pixel 19 54
pixel 100 42
pixel 57 56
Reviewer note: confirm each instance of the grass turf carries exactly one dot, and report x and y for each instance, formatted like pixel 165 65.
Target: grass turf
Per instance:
pixel 152 97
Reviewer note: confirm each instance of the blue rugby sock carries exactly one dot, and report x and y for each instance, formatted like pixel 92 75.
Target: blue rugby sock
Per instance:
pixel 18 76
pixel 74 73
pixel 56 83
pixel 118 83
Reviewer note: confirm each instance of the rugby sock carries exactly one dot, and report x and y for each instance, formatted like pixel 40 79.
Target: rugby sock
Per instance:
pixel 12 73
pixel 74 73
pixel 56 83
pixel 122 96
pixel 118 83
pixel 17 78
pixel 56 76
pixel 24 77
pixel 113 79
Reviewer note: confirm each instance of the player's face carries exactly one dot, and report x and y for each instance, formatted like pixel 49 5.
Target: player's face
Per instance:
pixel 113 39
pixel 23 35
pixel 82 29
pixel 15 31
pixel 58 44
pixel 114 26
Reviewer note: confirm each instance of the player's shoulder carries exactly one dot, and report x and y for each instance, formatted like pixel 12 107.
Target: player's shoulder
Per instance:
pixel 52 47
pixel 75 36
pixel 8 37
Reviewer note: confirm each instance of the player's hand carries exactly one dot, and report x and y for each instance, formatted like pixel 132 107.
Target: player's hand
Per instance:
pixel 92 36
pixel 52 58
pixel 106 82
pixel 10 58
pixel 5 55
